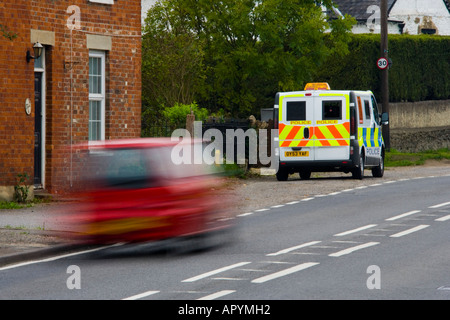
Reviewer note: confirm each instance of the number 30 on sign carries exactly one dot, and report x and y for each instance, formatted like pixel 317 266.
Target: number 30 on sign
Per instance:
pixel 382 63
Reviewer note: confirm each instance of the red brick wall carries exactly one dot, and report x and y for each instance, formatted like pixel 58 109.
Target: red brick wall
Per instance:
pixel 16 85
pixel 67 82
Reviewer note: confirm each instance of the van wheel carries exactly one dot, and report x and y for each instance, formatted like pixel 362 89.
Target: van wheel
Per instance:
pixel 378 171
pixel 358 172
pixel 282 174
pixel 305 174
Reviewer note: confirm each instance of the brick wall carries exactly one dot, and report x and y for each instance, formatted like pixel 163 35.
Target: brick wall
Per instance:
pixel 16 127
pixel 67 81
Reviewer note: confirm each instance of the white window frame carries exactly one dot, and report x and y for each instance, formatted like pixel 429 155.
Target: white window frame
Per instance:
pixel 103 1
pixel 99 96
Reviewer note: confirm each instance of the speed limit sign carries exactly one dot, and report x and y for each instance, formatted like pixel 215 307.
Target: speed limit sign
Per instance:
pixel 382 63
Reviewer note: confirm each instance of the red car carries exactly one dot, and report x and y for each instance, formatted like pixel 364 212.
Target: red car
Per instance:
pixel 134 192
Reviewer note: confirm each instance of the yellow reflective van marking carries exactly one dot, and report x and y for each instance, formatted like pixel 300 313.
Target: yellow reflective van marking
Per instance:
pixel 300 122
pixel 326 121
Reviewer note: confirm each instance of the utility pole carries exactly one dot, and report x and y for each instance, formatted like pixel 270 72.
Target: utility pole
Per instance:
pixel 385 72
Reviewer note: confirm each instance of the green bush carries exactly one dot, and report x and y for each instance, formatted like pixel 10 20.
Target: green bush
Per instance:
pixel 176 115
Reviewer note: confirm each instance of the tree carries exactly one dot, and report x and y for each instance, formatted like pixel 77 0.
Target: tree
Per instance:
pixel 253 48
pixel 172 70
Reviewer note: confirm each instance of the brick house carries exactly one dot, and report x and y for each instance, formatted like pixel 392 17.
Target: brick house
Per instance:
pixel 85 86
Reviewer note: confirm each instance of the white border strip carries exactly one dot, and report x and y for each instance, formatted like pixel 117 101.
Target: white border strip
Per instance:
pixel 352 249
pixel 355 230
pixel 293 248
pixel 404 233
pixel 403 215
pixel 210 273
pixel 285 272
pixel 141 295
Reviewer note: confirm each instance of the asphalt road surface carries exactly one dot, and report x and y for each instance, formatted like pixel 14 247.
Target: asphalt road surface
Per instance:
pixel 388 239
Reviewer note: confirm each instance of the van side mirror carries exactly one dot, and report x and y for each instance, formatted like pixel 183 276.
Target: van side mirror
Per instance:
pixel 385 118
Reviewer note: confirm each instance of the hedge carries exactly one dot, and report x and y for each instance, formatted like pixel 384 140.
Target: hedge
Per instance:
pixel 420 69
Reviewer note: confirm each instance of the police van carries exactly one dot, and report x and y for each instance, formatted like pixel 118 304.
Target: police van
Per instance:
pixel 320 130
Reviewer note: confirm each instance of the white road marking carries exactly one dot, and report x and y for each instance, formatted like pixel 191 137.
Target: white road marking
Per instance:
pixel 217 295
pixel 293 248
pixel 285 272
pixel 352 249
pixel 210 273
pixel 261 210
pixel 403 233
pixel 141 295
pixel 58 257
pixel 278 206
pixel 245 214
pixel 334 193
pixel 307 199
pixel 293 202
pixel 444 218
pixel 439 205
pixel 403 215
pixel 355 230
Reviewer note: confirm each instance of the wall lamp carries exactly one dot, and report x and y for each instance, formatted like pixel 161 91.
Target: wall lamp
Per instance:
pixel 37 49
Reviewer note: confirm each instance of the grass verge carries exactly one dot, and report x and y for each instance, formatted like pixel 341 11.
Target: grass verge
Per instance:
pixel 396 158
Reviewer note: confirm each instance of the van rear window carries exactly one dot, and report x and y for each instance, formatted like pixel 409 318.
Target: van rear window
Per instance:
pixel 332 110
pixel 295 110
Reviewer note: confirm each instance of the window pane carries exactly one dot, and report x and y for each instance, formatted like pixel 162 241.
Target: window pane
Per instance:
pixel 296 111
pixel 95 75
pixel 367 108
pixel 332 110
pixel 95 120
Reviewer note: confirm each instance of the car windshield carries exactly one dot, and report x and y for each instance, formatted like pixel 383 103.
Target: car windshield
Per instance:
pixel 123 168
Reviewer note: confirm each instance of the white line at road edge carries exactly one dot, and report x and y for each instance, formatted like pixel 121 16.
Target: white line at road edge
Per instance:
pixel 58 257
pixel 285 272
pixel 210 273
pixel 352 249
pixel 217 295
pixel 141 295
pixel 403 233
pixel 293 248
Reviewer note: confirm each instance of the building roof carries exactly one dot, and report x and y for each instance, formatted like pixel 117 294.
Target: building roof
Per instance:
pixel 358 8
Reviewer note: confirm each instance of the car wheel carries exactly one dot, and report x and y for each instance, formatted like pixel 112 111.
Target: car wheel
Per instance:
pixel 305 174
pixel 378 171
pixel 282 174
pixel 358 172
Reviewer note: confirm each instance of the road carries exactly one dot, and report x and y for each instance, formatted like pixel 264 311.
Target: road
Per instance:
pixel 385 240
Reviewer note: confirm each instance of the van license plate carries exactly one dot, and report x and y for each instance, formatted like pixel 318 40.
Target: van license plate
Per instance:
pixel 296 153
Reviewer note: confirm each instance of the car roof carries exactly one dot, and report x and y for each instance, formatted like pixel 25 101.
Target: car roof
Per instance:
pixel 136 143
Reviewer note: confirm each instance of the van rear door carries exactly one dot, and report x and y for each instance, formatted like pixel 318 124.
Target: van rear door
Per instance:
pixel 296 121
pixel 332 126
